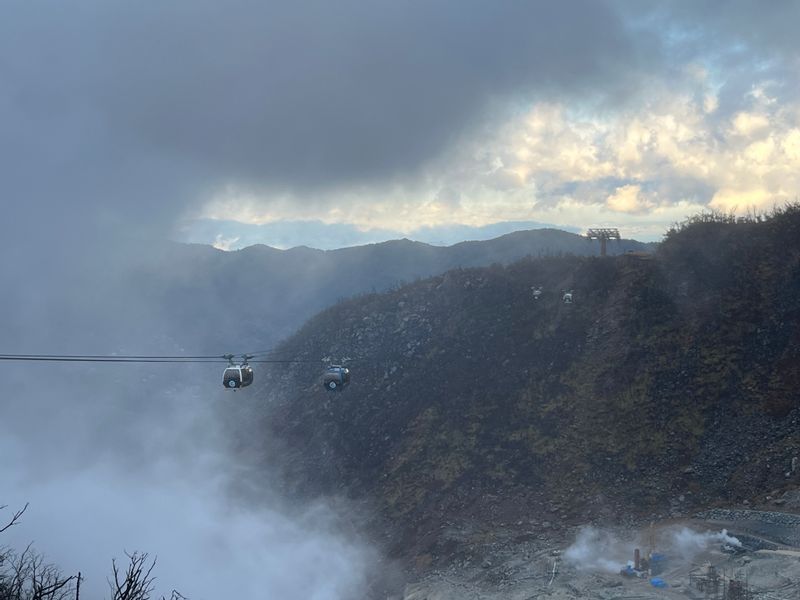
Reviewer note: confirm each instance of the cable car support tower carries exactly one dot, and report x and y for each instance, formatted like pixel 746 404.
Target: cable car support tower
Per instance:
pixel 603 234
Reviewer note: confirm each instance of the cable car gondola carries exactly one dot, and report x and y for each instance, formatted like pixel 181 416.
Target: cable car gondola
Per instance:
pixel 237 376
pixel 336 378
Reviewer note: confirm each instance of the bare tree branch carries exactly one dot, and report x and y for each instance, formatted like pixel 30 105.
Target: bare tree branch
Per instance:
pixel 14 518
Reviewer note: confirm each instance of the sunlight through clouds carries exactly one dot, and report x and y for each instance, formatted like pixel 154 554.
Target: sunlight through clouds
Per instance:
pixel 708 117
pixel 657 161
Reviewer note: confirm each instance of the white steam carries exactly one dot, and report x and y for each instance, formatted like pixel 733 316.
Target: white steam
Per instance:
pixel 105 474
pixel 596 550
pixel 226 244
pixel 687 543
pixel 207 547
pixel 602 551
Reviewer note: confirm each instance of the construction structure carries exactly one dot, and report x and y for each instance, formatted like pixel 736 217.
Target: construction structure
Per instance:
pixel 603 234
pixel 719 586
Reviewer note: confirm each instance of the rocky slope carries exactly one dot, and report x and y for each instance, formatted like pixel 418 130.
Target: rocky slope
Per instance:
pixel 668 384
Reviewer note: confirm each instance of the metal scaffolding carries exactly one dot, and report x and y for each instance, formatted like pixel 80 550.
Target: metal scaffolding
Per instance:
pixel 716 585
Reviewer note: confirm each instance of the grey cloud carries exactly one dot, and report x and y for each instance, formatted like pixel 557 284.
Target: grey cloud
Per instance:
pixel 746 42
pixel 551 189
pixel 681 188
pixel 121 114
pixel 766 28
pixel 668 189
pixel 121 98
pixel 449 197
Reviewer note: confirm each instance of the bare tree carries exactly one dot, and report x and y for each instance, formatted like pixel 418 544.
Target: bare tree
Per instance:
pixel 26 576
pixel 138 581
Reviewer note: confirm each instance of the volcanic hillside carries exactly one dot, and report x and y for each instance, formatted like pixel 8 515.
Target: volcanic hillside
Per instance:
pixel 669 383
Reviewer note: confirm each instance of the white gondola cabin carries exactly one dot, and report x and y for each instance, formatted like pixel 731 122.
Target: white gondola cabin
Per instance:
pixel 237 376
pixel 336 378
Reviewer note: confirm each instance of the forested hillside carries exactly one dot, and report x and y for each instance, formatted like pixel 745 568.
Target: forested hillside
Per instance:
pixel 669 383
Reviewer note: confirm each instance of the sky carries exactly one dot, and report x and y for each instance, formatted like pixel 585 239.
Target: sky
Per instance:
pixel 394 116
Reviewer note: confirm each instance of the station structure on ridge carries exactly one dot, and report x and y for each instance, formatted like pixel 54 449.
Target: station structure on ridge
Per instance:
pixel 603 234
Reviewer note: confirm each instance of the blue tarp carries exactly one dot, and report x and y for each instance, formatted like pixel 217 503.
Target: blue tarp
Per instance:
pixel 658 582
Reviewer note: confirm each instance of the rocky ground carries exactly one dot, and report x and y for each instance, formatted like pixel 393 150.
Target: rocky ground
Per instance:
pixel 547 567
pixel 769 576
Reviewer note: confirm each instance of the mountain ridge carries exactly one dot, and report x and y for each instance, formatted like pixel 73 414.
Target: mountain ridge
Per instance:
pixel 262 294
pixel 286 234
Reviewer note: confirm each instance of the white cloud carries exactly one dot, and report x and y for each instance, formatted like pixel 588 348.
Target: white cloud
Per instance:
pixel 790 146
pixel 710 103
pixel 627 199
pixel 741 200
pixel 748 123
pixel 677 151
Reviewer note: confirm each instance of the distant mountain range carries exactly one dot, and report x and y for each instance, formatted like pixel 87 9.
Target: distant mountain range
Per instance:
pixel 255 296
pixel 233 235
